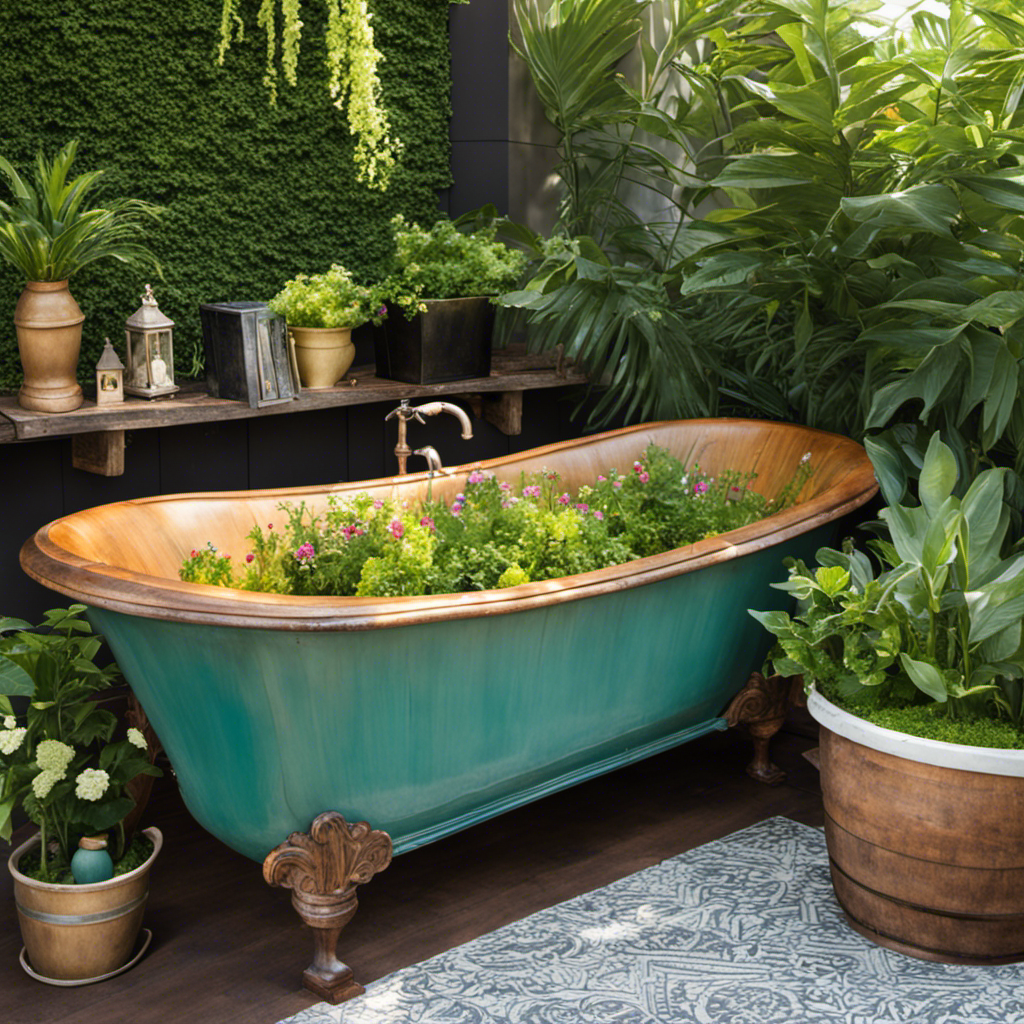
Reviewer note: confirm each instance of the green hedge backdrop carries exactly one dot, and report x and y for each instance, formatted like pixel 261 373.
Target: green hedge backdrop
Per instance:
pixel 253 193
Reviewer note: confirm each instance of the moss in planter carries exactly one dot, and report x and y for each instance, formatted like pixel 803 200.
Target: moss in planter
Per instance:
pixel 136 855
pixel 930 722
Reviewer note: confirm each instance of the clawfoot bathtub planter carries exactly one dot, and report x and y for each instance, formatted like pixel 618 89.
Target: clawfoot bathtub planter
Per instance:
pixel 422 716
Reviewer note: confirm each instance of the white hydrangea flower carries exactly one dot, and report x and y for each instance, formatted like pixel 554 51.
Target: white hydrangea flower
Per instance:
pixel 44 781
pixel 52 755
pixel 10 722
pixel 11 739
pixel 91 784
pixel 136 738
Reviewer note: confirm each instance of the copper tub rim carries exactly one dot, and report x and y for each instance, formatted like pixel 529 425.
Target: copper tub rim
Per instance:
pixel 128 591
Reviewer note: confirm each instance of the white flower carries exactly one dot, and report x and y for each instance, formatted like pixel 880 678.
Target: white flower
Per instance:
pixel 54 756
pixel 11 739
pixel 806 458
pixel 135 737
pixel 10 722
pixel 43 782
pixel 91 784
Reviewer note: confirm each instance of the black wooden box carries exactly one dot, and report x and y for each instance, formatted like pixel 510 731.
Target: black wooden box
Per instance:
pixel 248 357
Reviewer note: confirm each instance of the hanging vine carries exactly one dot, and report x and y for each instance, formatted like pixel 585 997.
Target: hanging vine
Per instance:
pixel 353 82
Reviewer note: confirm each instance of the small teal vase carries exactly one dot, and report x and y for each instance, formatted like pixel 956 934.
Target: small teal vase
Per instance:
pixel 91 862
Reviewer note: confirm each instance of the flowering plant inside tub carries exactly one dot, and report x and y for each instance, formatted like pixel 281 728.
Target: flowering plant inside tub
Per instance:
pixel 494 534
pixel 330 299
pixel 930 646
pixel 58 760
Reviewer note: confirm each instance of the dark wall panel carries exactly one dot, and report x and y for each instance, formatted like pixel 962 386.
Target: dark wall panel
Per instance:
pixel 204 456
pixel 297 449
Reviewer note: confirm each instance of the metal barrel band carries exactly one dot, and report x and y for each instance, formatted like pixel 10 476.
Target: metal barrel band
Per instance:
pixel 73 919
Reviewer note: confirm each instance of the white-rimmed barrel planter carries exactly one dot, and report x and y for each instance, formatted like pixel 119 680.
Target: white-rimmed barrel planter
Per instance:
pixel 925 839
pixel 75 934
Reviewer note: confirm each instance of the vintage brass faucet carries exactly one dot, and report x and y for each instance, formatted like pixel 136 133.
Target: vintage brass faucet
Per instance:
pixel 406 412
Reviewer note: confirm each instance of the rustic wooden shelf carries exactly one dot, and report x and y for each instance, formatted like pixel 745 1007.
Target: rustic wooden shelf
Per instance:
pixel 98 431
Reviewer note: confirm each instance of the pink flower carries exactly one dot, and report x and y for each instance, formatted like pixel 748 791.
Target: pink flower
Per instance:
pixel 532 492
pixel 250 557
pixel 225 556
pixel 193 555
pixel 456 509
pixel 598 514
pixel 356 532
pixel 270 526
pixel 644 477
pixel 505 486
pixel 552 476
pixel 601 479
pixel 616 483
pixel 638 467
pixel 700 487
pixel 583 508
pixel 428 523
pixel 564 499
pixel 476 477
pixel 397 528
pixel 305 553
pixel 377 503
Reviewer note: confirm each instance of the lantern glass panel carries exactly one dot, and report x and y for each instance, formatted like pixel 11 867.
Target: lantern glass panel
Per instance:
pixel 137 360
pixel 162 364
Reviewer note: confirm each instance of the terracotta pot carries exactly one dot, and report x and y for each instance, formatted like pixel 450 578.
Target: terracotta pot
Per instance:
pixel 48 324
pixel 323 354
pixel 450 341
pixel 925 840
pixel 80 932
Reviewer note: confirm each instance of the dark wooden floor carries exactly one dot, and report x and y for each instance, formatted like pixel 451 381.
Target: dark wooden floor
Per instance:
pixel 228 949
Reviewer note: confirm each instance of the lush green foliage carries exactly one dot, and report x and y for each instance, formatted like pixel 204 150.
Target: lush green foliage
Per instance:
pixel 941 623
pixel 490 536
pixel 57 760
pixel 331 299
pixel 823 215
pixel 49 230
pixel 252 193
pixel 352 60
pixel 442 262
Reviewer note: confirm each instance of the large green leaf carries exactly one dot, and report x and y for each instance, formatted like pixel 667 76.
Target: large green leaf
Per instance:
pixel 926 677
pixel 930 208
pixel 938 475
pixel 14 680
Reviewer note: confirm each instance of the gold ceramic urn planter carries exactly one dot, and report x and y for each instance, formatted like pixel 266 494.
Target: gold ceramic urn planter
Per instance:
pixel 77 934
pixel 48 323
pixel 323 354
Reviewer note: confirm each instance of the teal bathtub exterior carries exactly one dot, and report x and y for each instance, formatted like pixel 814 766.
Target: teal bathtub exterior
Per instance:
pixel 424 728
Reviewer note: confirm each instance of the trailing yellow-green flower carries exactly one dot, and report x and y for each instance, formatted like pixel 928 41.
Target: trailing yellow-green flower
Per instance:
pixel 44 782
pixel 52 755
pixel 91 784
pixel 11 740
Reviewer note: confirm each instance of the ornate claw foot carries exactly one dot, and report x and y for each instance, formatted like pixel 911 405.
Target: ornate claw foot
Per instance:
pixel 762 705
pixel 323 868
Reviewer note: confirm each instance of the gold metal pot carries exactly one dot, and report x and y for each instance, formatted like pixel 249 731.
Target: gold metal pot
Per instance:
pixel 48 323
pixel 323 354
pixel 80 932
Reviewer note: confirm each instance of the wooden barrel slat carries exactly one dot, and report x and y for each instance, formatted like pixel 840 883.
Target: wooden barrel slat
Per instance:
pixel 925 859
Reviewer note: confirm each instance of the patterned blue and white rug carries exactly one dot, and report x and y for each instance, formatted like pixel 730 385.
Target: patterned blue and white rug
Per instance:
pixel 744 930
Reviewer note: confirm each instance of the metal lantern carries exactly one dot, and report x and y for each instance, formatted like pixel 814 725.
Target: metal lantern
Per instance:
pixel 109 376
pixel 150 351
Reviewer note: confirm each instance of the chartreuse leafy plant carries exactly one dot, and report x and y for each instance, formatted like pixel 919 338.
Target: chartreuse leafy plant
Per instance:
pixel 50 228
pixel 442 262
pixel 939 625
pixel 330 299
pixel 57 758
pixel 352 59
pixel 493 535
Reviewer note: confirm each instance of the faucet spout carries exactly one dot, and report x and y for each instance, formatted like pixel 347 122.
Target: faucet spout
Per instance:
pixel 430 453
pixel 433 408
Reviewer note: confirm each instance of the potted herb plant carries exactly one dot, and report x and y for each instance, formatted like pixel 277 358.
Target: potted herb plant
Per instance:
pixel 438 293
pixel 80 908
pixel 915 676
pixel 49 231
pixel 321 310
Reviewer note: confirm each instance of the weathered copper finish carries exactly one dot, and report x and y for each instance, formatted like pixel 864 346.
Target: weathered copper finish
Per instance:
pixel 925 860
pixel 48 323
pixel 93 556
pixel 323 868
pixel 762 706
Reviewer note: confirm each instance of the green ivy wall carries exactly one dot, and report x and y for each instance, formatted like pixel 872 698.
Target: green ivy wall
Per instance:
pixel 253 193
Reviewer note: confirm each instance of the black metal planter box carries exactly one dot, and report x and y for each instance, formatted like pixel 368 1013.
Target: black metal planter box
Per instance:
pixel 450 341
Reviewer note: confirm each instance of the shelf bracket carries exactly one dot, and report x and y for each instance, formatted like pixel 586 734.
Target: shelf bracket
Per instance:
pixel 502 408
pixel 100 452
